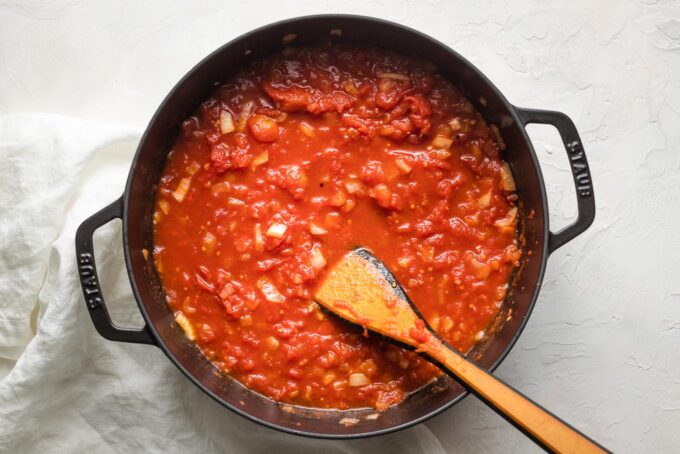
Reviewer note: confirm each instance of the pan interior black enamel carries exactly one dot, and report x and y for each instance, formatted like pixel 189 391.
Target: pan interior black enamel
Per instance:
pixel 185 98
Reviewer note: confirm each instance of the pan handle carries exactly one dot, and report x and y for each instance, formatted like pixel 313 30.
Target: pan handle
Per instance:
pixel 579 170
pixel 89 280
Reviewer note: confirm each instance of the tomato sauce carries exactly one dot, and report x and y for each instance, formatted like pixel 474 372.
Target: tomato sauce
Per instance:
pixel 301 157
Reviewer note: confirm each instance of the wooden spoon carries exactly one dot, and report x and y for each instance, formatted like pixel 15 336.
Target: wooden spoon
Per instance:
pixel 360 289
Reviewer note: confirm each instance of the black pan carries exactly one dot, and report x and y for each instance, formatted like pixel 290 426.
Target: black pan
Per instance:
pixel 136 207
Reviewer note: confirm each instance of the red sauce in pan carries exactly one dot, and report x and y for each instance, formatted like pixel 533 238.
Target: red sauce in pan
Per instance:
pixel 296 160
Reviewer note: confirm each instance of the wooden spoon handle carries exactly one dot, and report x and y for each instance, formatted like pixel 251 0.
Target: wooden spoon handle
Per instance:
pixel 543 427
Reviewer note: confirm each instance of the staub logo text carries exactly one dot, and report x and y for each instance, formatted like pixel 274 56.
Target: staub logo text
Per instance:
pixel 88 279
pixel 579 168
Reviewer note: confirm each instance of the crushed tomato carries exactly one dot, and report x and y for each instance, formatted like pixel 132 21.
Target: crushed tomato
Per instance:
pixel 327 148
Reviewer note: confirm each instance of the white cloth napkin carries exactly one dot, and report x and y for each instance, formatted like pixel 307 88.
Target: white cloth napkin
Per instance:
pixel 65 388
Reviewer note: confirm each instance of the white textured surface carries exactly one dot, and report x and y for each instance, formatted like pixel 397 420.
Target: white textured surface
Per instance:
pixel 602 348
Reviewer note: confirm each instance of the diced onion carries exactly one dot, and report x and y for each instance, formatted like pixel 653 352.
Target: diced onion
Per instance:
pixel 281 117
pixel 270 292
pixel 481 270
pixel 276 230
pixel 354 187
pixel 507 223
pixel 499 137
pixel 455 124
pixel 327 378
pixel 507 181
pixel 479 335
pixel 349 205
pixel 185 324
pixel 226 122
pixel 336 32
pixel 405 261
pixel 395 76
pixel 226 291
pixel 403 166
pixel 220 188
pixel 259 239
pixel 316 230
pixel 308 130
pixel 442 142
pixel 338 199
pixel 441 154
pixel 349 421
pixel 164 206
pixel 372 417
pixel 182 188
pixel 260 159
pixel 318 261
pixel 243 116
pixel 485 200
pixel 193 168
pixel 358 379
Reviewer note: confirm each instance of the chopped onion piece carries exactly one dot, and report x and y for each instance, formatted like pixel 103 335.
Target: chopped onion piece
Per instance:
pixel 308 130
pixel 276 230
pixel 318 261
pixel 442 142
pixel 260 159
pixel 193 168
pixel 358 379
pixel 499 137
pixel 354 187
pixel 316 230
pixel 405 261
pixel 226 291
pixel 441 154
pixel 243 116
pixel 349 205
pixel 395 76
pixel 226 122
pixel 281 117
pixel 455 124
pixel 220 188
pixel 259 239
pixel 507 223
pixel 403 166
pixel 270 292
pixel 372 417
pixel 164 206
pixel 485 200
pixel 479 335
pixel 327 378
pixel 507 181
pixel 338 199
pixel 182 188
pixel 289 38
pixel 349 421
pixel 185 324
